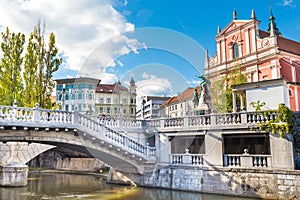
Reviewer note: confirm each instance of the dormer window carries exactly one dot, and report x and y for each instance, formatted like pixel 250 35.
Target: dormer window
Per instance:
pixel 235 50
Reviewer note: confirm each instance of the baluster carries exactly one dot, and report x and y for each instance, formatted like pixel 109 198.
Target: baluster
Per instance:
pixel 228 161
pixel 265 162
pixel 254 162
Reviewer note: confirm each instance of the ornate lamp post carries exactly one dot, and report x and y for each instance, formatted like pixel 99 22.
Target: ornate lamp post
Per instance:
pixel 143 108
pixel 63 97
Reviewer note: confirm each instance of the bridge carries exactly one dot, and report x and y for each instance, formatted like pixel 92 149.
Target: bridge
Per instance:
pixel 77 132
pixel 139 146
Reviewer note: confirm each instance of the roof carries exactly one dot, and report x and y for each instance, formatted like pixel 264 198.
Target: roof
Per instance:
pixel 259 84
pixel 110 88
pixel 263 34
pixel 186 94
pixel 288 45
pixel 156 98
pixel 77 80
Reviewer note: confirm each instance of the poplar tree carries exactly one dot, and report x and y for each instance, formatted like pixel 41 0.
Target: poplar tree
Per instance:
pixel 11 86
pixel 30 72
pixel 41 62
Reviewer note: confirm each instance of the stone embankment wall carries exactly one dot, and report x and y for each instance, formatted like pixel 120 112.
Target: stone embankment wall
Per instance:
pixel 54 160
pixel 260 183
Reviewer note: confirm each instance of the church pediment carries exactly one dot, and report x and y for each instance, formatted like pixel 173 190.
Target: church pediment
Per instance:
pixel 232 26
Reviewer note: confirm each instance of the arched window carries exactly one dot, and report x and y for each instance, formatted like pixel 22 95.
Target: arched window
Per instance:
pixel 291 94
pixel 235 50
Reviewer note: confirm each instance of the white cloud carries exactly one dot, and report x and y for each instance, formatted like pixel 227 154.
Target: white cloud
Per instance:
pixel 289 3
pixel 152 85
pixel 79 25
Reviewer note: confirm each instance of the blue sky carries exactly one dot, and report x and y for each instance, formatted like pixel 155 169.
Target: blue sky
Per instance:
pixel 111 39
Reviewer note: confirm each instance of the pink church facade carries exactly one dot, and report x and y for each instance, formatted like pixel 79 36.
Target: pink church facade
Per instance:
pixel 261 55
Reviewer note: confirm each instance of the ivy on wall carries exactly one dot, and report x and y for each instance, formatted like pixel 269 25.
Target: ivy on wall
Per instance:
pixel 282 123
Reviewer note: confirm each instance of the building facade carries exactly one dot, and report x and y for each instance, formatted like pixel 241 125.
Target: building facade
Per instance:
pixel 259 55
pixel 77 93
pixel 116 100
pixel 150 106
pixel 179 106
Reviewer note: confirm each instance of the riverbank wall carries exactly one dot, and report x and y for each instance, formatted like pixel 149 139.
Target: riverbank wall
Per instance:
pixel 257 183
pixel 54 160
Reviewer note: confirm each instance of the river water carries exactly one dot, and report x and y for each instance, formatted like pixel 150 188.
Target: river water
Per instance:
pixel 60 186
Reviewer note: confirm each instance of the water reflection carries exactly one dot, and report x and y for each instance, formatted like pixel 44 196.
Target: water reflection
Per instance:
pixel 87 187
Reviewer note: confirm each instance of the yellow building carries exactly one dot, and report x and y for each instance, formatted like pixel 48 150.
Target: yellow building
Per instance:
pixel 116 100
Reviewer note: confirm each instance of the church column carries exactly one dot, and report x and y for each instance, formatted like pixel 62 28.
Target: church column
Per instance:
pixel 233 102
pixel 224 50
pixel 247 39
pixel 253 39
pixel 219 52
pixel 240 48
pixel 230 52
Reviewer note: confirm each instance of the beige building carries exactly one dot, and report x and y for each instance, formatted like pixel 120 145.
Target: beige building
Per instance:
pixel 116 100
pixel 179 106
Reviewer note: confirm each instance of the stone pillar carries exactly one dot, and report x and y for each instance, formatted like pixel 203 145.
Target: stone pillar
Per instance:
pixel 213 149
pixel 233 102
pixel 219 52
pixel 187 158
pixel 242 102
pixel 13 175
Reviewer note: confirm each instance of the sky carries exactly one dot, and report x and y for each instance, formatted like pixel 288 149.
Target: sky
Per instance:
pixel 160 43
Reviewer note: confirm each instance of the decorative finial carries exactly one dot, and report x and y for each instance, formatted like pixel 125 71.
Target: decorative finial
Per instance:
pixel 273 30
pixel 206 59
pixel 219 30
pixel 132 82
pixel 234 14
pixel 253 14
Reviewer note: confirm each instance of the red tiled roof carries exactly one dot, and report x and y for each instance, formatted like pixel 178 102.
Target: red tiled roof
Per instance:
pixel 110 88
pixel 288 45
pixel 263 34
pixel 186 94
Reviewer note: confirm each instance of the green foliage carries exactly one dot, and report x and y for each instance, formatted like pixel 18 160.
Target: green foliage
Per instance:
pixel 11 86
pixel 219 95
pixel 222 92
pixel 282 123
pixel 37 66
pixel 257 105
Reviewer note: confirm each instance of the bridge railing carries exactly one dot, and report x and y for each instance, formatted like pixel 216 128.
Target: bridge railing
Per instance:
pixel 240 118
pixel 35 115
pixel 113 136
pixel 12 113
pixel 124 123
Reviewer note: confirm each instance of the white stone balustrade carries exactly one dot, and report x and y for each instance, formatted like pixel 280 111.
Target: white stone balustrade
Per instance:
pixel 187 159
pixel 242 160
pixel 114 137
pixel 35 115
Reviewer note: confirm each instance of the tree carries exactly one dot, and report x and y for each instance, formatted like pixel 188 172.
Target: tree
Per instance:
pixel 219 95
pixel 221 89
pixel 37 66
pixel 30 72
pixel 11 86
pixel 41 62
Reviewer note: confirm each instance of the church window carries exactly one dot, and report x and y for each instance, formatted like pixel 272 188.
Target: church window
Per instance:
pixel 235 50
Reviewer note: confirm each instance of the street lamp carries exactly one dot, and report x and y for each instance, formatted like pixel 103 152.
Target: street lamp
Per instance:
pixel 63 97
pixel 143 108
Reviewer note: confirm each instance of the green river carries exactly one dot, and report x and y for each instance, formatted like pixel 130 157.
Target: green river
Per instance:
pixel 57 186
